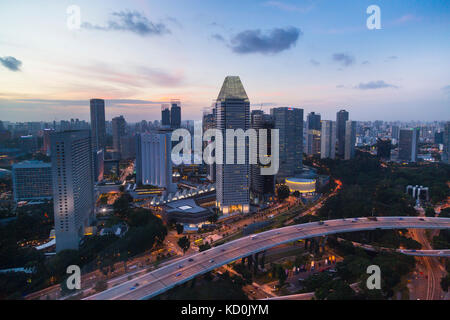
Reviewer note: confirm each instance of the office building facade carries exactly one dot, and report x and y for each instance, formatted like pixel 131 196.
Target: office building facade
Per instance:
pixel 32 180
pixel 350 139
pixel 328 139
pixel 232 180
pixel 153 159
pixel 408 144
pixel 289 122
pixel 175 114
pixel 98 126
pixel 72 184
pixel 262 187
pixel 341 119
pixel 118 131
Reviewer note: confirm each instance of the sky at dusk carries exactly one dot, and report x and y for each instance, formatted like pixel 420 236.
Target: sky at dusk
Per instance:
pixel 316 55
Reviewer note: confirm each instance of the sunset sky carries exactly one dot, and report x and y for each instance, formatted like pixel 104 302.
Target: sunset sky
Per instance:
pixel 317 55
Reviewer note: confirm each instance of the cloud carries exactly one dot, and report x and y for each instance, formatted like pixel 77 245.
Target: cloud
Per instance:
pixel 11 63
pixel 287 7
pixel 407 18
pixel 391 58
pixel 218 37
pixel 314 62
pixel 271 42
pixel 365 62
pixel 375 85
pixel 161 77
pixel 131 21
pixel 344 59
pixel 340 86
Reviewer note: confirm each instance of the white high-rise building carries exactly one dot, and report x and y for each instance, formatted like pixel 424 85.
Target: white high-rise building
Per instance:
pixel 232 180
pixel 328 139
pixel 73 194
pixel 153 159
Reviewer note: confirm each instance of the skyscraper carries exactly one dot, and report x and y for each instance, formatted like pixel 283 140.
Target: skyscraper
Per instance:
pixel 98 128
pixel 46 142
pixel 313 128
pixel 72 177
pixel 341 119
pixel 233 112
pixel 118 131
pixel 209 122
pixel 261 186
pixel 328 139
pixel 289 122
pixel 446 154
pixel 408 144
pixel 153 159
pixel 175 114
pixel 350 139
pixel 165 115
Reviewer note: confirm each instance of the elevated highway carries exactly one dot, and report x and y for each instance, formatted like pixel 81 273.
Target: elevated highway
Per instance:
pixel 191 266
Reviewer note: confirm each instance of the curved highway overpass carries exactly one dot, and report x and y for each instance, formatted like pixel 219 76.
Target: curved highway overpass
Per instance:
pixel 187 268
pixel 440 253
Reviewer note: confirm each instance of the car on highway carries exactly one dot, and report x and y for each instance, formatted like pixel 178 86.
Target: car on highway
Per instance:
pixel 320 222
pixel 178 274
pixel 421 219
pixel 372 218
pixel 211 261
pixel 180 266
pixel 190 260
pixel 253 237
pixel 400 219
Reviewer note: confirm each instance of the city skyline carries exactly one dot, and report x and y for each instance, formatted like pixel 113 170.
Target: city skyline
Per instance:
pixel 313 55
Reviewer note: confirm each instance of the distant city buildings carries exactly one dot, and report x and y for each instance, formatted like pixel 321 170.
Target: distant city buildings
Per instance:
pixel 165 115
pixel 289 122
pixel 408 145
pixel 175 114
pixel 328 139
pixel 233 112
pixel 32 180
pixel 128 147
pixel 171 114
pixel 72 177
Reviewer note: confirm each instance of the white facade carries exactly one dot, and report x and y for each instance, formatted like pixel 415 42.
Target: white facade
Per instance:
pixel 155 162
pixel 72 175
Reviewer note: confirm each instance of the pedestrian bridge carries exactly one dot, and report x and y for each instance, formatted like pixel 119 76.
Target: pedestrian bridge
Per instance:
pixel 193 265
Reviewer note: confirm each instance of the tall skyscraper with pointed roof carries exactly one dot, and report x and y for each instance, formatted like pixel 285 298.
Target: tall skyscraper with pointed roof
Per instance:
pixel 232 181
